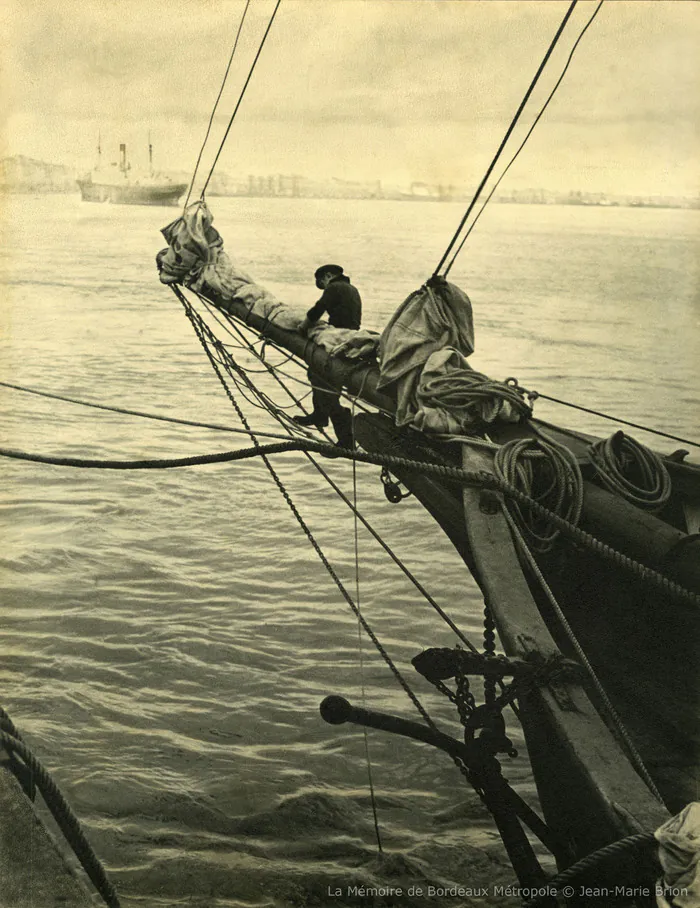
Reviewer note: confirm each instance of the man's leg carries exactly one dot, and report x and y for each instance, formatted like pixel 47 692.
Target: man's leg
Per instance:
pixel 320 400
pixel 341 417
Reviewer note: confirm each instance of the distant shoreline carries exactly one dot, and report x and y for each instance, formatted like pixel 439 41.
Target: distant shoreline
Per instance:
pixel 27 176
pixel 683 204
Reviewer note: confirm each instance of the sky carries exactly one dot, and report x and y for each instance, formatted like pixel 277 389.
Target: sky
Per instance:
pixel 396 90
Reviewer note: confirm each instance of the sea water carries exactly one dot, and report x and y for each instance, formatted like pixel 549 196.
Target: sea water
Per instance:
pixel 168 635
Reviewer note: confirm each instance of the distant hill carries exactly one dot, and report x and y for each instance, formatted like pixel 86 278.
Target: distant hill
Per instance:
pixel 22 174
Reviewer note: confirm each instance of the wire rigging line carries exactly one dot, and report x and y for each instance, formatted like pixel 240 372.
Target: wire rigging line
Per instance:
pixel 363 693
pixel 140 413
pixel 205 425
pixel 625 422
pixel 240 97
pixel 367 525
pixel 633 753
pixel 216 103
pixel 206 337
pixel 507 136
pixel 529 133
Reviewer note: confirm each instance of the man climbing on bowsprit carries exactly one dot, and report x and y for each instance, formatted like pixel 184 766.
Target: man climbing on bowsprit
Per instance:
pixel 342 303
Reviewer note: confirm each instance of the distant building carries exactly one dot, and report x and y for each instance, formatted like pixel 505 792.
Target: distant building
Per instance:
pixel 22 174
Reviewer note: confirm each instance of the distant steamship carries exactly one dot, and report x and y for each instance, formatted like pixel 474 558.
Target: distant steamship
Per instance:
pixel 118 185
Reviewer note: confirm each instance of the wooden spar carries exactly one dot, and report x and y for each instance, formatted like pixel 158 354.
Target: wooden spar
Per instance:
pixel 599 779
pixel 358 378
pixel 639 535
pixel 589 791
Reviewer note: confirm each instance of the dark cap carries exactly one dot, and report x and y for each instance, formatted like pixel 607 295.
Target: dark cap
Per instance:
pixel 335 270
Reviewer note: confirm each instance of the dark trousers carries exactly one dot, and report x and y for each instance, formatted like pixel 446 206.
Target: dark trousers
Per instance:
pixel 326 401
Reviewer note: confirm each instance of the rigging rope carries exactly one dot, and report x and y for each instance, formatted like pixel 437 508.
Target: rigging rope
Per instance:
pixel 273 371
pixel 454 474
pixel 510 129
pixel 522 144
pixel 534 395
pixel 125 411
pixel 358 600
pixel 203 332
pixel 216 103
pixel 240 97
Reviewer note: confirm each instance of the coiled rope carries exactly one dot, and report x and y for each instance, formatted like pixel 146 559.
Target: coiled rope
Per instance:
pixel 631 470
pixel 478 398
pixel 68 823
pixel 547 474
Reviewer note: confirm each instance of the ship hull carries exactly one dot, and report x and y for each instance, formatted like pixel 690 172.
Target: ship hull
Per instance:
pixel 638 638
pixel 167 194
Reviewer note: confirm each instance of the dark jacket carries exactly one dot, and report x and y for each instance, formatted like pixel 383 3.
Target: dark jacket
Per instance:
pixel 342 303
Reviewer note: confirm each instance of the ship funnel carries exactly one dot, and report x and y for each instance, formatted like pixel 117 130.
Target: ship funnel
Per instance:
pixel 122 158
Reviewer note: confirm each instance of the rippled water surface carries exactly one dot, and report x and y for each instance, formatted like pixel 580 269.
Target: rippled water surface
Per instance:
pixel 168 635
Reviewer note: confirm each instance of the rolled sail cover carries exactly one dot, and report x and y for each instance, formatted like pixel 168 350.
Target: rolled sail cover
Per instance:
pixel 423 363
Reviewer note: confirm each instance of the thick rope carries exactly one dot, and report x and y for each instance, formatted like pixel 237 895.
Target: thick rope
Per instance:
pixel 510 129
pixel 632 471
pixel 216 103
pixel 524 142
pixel 590 862
pixel 455 474
pixel 65 818
pixel 633 753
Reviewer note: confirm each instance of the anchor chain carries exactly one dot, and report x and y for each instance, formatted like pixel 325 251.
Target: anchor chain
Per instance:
pixel 489 651
pixel 438 665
